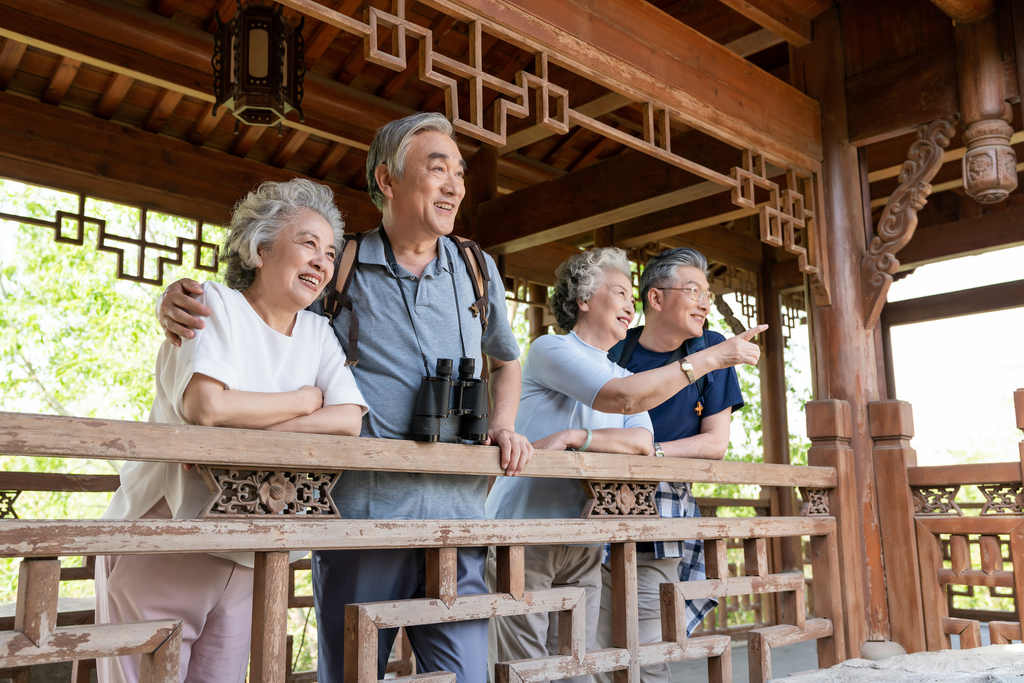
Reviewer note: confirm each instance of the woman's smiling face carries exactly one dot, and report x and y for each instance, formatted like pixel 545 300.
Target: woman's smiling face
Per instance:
pixel 300 264
pixel 609 311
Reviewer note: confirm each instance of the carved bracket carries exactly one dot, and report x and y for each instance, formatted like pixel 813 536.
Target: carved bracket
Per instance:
pixel 1002 499
pixel 899 219
pixel 615 499
pixel 247 493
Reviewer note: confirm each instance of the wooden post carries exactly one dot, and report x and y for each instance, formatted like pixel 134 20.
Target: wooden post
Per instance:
pixel 625 614
pixel 933 594
pixel 36 611
pixel 844 352
pixel 161 665
pixel 442 568
pixel 826 561
pixel 892 426
pixel 774 414
pixel 538 294
pixel 829 429
pixel 481 185
pixel 269 618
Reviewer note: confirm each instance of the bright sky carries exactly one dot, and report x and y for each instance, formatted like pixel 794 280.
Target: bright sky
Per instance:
pixel 960 374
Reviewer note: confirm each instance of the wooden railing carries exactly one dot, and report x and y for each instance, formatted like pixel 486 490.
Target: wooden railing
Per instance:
pixel 37 639
pixel 958 545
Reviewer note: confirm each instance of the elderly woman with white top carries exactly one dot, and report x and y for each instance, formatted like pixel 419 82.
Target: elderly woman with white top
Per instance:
pixel 260 362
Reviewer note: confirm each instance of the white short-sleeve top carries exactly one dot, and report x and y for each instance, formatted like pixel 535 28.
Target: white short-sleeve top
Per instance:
pixel 240 350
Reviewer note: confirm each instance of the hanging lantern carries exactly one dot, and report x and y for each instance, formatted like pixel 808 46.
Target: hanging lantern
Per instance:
pixel 258 65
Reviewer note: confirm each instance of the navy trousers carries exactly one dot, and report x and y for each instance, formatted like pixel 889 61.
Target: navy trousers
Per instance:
pixel 341 577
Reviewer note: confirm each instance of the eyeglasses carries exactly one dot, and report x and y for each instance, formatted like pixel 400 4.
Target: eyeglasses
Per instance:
pixel 696 293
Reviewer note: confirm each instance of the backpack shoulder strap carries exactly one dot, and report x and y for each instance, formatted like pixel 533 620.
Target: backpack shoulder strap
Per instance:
pixel 693 346
pixel 337 298
pixel 632 337
pixel 473 256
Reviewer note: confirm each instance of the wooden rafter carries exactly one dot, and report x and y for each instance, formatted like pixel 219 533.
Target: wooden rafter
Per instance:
pixel 166 8
pixel 246 139
pixel 626 186
pixel 113 94
pixel 205 124
pixel 288 147
pixel 63 75
pixel 324 34
pixel 225 9
pixel 777 16
pixel 328 161
pixel 161 111
pixel 63 148
pixel 10 57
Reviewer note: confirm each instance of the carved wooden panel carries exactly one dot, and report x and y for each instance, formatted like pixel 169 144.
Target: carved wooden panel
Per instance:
pixel 936 500
pixel 1002 499
pixel 618 499
pixel 815 501
pixel 246 493
pixel 7 499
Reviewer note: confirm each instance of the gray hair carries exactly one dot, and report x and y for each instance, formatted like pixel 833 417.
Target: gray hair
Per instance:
pixel 261 215
pixel 579 277
pixel 660 271
pixel 391 144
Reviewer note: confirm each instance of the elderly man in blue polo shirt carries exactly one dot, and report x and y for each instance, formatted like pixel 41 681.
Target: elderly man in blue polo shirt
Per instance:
pixel 412 294
pixel 694 423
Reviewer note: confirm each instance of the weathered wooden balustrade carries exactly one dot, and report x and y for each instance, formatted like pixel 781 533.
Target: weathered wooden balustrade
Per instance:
pixel 290 473
pixel 921 503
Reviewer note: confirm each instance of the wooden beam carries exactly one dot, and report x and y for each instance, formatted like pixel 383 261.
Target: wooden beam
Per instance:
pixel 1001 297
pixel 113 95
pixel 606 104
pixel 291 144
pixel 997 230
pixel 776 16
pixel 164 107
pixel 205 124
pixel 640 51
pixel 10 57
pixel 626 186
pixel 966 11
pixel 61 80
pixel 73 151
pixel 28 434
pixel 538 264
pixel 47 481
pixel 927 91
pixel 47 538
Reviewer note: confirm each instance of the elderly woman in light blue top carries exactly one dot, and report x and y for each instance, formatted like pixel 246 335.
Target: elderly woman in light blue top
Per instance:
pixel 567 403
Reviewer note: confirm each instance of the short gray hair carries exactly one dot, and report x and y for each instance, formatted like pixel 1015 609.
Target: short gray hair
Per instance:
pixel 660 271
pixel 579 277
pixel 261 215
pixel 391 144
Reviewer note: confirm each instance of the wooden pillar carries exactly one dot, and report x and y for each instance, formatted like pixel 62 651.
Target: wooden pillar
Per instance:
pixel 267 663
pixel 829 429
pixel 604 237
pixel 844 355
pixel 774 414
pixel 538 294
pixel 892 426
pixel 481 186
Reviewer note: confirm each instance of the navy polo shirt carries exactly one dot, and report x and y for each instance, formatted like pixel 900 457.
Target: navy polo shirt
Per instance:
pixel 677 418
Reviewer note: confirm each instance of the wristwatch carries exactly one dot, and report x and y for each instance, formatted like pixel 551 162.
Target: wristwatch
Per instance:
pixel 658 450
pixel 687 367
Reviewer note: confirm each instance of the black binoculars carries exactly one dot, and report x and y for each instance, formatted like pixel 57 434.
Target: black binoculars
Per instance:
pixel 441 396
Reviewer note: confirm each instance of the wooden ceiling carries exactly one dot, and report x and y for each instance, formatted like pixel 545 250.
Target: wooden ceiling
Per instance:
pixel 101 93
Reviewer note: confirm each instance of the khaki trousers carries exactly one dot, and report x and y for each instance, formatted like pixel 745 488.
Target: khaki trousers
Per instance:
pixel 650 574
pixel 529 636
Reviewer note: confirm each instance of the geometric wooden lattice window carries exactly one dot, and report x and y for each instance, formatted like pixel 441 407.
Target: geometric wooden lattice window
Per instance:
pixel 143 241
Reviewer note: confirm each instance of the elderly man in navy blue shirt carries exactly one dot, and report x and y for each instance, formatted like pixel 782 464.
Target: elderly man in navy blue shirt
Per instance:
pixel 694 423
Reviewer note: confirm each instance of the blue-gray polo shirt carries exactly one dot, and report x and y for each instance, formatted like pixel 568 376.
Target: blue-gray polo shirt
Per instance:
pixel 390 370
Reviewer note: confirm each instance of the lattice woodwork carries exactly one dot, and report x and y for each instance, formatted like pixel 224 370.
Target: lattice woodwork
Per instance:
pixel 815 501
pixel 899 218
pixel 7 499
pixel 247 493
pixel 936 500
pixel 792 310
pixel 617 499
pixel 788 218
pixel 143 246
pixel 1002 499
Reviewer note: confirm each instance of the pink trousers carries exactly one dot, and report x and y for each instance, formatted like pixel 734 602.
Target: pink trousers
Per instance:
pixel 211 596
